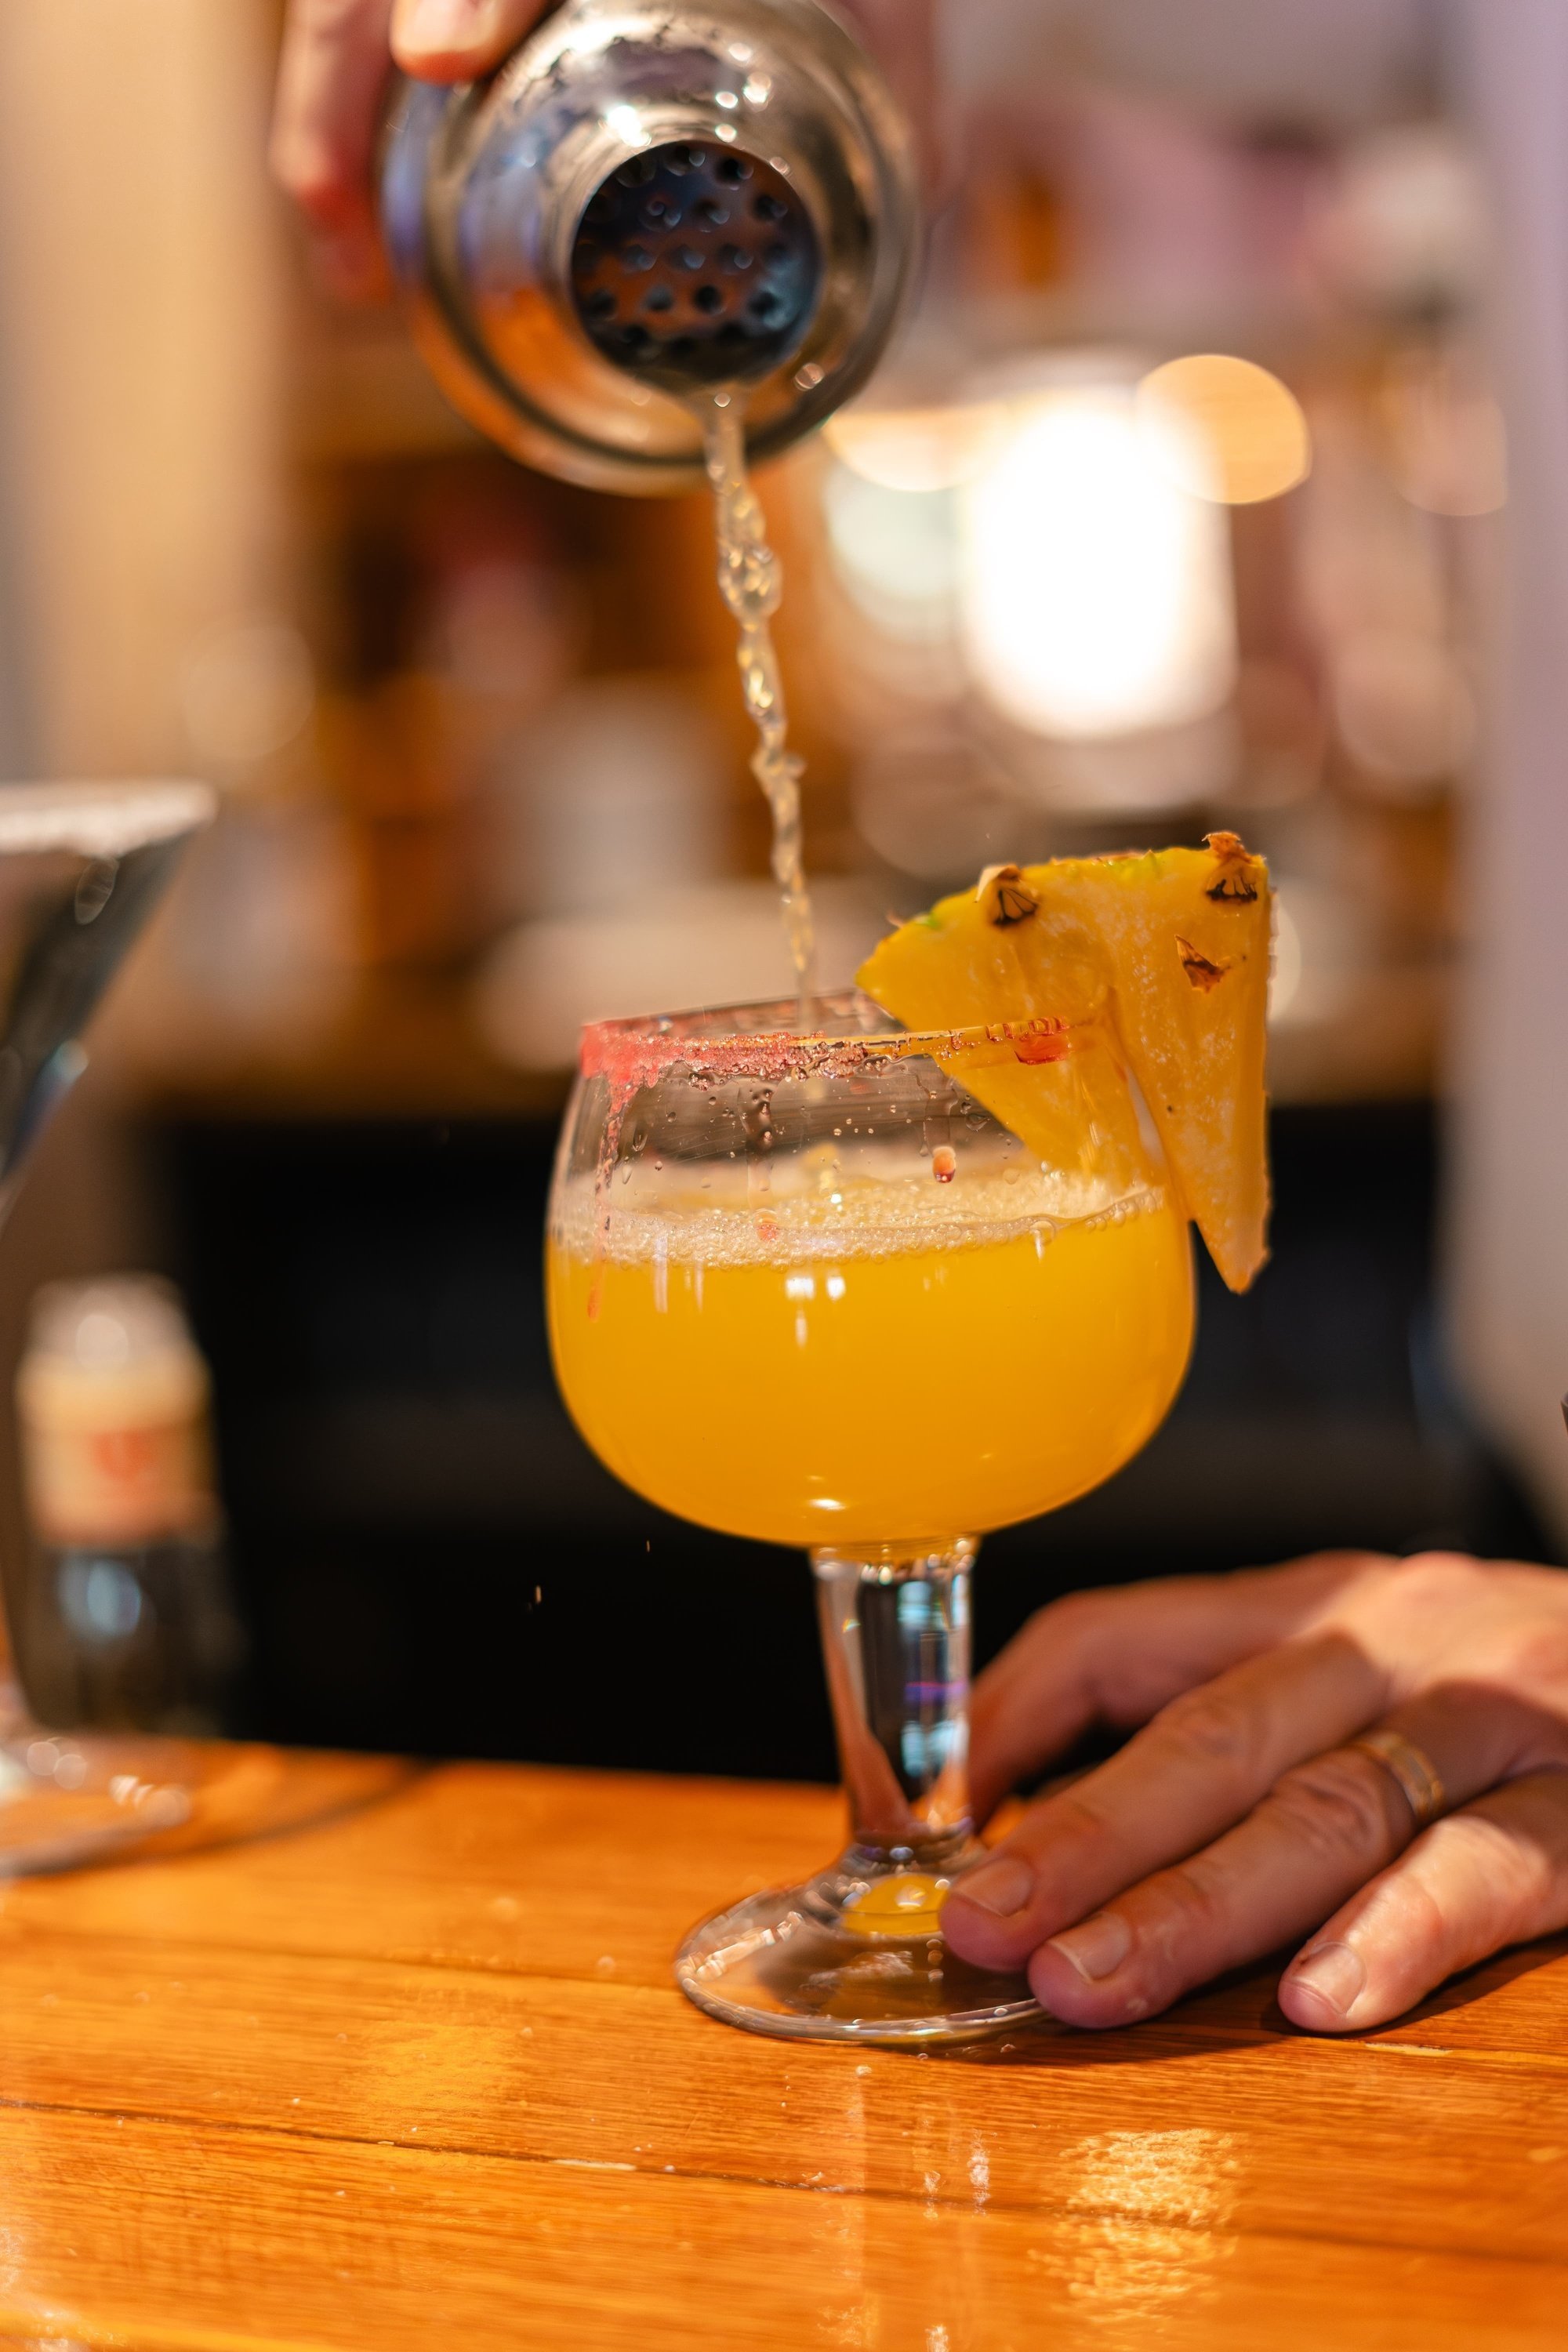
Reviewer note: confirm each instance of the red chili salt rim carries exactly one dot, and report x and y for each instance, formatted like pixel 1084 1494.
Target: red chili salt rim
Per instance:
pixel 757 1041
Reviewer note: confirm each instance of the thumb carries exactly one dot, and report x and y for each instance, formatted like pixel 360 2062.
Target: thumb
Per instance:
pixel 458 40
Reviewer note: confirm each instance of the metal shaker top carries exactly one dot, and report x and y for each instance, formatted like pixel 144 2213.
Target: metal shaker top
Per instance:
pixel 644 202
pixel 696 266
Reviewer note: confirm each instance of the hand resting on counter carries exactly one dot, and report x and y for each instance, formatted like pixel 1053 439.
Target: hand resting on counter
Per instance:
pixel 1244 1815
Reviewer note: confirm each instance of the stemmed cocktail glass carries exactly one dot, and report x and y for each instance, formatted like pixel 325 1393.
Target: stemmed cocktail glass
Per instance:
pixel 803 1289
pixel 81 868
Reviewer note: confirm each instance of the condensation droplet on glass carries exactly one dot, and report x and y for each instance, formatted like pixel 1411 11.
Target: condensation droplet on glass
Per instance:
pixel 943 1164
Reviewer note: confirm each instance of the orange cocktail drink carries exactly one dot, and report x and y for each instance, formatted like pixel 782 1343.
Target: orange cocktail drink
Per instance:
pixel 804 1286
pixel 867 1358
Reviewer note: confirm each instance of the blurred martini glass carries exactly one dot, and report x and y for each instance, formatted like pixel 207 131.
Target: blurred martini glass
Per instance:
pixel 81 868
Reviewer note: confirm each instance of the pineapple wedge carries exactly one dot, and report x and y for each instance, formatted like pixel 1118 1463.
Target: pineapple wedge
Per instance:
pixel 1175 944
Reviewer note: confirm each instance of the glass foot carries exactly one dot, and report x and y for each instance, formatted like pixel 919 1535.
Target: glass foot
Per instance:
pixel 67 1799
pixel 852 1955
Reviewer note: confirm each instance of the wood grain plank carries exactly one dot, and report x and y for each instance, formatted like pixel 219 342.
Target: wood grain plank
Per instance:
pixel 418 2072
pixel 476 1865
pixel 583 1874
pixel 152 2234
pixel 1282 2136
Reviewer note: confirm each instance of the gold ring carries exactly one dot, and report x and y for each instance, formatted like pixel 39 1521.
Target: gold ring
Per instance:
pixel 1420 1782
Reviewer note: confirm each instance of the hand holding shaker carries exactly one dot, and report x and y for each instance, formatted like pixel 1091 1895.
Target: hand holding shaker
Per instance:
pixel 650 201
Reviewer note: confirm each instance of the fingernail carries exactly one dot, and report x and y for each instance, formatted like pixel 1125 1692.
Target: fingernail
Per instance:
pixel 1003 1886
pixel 1097 1945
pixel 1333 1973
pixel 434 26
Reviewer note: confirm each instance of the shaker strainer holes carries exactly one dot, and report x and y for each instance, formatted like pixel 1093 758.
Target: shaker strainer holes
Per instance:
pixel 695 265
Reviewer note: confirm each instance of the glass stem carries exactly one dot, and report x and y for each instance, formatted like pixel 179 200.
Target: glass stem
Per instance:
pixel 895 1639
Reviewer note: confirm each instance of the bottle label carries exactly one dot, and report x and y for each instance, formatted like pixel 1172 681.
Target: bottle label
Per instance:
pixel 124 1485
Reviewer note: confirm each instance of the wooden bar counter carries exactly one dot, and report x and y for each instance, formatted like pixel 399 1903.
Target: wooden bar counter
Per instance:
pixel 417 2076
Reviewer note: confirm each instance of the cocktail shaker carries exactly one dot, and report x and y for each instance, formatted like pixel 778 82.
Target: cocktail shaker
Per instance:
pixel 647 201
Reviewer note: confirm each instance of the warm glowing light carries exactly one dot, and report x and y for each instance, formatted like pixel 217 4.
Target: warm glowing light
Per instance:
pixel 1322 956
pixel 1095 591
pixel 894 551
pixel 912 449
pixel 246 689
pixel 1285 976
pixel 1246 437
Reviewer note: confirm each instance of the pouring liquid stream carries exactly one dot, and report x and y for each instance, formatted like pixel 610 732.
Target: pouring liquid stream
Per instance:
pixel 750 580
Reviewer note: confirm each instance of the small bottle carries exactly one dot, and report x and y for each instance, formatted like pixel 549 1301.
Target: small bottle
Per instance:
pixel 129 1617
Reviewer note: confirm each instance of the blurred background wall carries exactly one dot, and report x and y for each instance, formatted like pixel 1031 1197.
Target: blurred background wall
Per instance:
pixel 141 500
pixel 1179 506
pixel 139 273
pixel 1510 1131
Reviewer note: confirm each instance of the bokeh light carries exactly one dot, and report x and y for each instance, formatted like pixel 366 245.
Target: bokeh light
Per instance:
pixel 913 449
pixel 246 689
pixel 1247 437
pixel 894 550
pixel 1096 591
